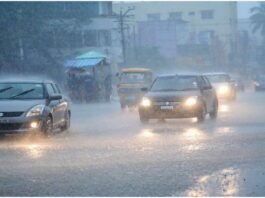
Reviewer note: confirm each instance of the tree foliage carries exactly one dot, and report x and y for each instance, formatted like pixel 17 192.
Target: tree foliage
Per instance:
pixel 24 28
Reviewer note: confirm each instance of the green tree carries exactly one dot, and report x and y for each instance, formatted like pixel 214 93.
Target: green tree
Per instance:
pixel 23 33
pixel 258 21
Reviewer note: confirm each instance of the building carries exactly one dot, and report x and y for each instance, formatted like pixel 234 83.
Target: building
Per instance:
pixel 208 23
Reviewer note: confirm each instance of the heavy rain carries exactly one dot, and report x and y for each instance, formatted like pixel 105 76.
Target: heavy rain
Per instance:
pixel 132 98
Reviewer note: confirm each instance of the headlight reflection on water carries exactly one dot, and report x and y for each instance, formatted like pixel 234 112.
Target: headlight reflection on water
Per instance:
pixel 222 183
pixel 146 134
pixel 224 108
pixel 34 150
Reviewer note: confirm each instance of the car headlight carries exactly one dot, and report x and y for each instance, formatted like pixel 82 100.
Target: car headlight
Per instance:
pixel 146 102
pixel 224 89
pixel 35 111
pixel 257 84
pixel 191 101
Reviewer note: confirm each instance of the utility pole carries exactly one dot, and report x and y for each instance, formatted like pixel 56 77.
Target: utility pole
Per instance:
pixel 122 20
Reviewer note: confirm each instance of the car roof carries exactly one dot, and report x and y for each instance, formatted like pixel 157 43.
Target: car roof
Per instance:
pixel 25 81
pixel 180 74
pixel 215 73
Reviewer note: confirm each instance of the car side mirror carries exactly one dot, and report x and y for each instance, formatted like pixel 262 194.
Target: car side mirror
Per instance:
pixel 55 97
pixel 144 89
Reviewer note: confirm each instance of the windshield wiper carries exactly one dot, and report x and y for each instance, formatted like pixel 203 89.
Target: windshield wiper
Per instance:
pixel 166 90
pixel 188 89
pixel 22 93
pixel 5 89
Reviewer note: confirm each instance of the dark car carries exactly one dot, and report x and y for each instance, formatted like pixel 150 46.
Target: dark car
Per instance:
pixel 224 85
pixel 179 96
pixel 32 106
pixel 259 83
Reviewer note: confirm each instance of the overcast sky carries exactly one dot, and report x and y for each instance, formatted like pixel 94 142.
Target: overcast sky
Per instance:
pixel 243 8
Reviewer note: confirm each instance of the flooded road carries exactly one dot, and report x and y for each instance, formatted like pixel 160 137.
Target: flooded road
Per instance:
pixel 110 153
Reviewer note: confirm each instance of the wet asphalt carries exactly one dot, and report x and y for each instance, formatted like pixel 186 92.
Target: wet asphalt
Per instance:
pixel 110 153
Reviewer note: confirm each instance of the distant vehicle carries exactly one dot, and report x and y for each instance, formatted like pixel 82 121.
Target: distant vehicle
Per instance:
pixel 131 82
pixel 179 96
pixel 32 106
pixel 224 85
pixel 239 83
pixel 259 83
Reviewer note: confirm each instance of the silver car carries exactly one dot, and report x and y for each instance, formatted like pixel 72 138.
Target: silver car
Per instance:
pixel 32 106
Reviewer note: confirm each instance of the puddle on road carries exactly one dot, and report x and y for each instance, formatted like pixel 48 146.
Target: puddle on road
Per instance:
pixel 220 183
pixel 33 148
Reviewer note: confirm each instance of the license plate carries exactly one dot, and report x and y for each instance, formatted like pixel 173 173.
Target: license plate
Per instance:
pixel 166 107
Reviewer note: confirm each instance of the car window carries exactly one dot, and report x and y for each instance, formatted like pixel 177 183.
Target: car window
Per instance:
pixel 16 90
pixel 50 89
pixel 206 82
pixel 175 83
pixel 56 88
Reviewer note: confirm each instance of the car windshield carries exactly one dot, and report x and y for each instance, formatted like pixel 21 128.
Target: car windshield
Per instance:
pixel 135 77
pixel 218 78
pixel 21 91
pixel 175 83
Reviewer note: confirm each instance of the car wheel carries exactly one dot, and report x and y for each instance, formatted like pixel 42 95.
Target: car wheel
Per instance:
pixel 143 119
pixel 213 114
pixel 48 126
pixel 202 114
pixel 123 106
pixel 67 122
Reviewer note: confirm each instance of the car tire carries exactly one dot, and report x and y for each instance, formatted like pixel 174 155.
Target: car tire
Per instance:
pixel 214 113
pixel 67 123
pixel 202 114
pixel 123 106
pixel 47 128
pixel 143 119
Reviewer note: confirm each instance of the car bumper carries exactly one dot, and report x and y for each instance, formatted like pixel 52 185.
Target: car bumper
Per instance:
pixel 130 99
pixel 180 111
pixel 20 125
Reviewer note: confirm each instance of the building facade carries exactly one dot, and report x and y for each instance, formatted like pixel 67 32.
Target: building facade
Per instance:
pixel 207 23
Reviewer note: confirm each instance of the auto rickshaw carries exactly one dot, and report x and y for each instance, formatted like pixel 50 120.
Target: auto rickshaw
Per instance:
pixel 133 83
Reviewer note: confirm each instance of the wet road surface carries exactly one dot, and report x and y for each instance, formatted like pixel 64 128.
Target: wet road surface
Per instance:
pixel 109 153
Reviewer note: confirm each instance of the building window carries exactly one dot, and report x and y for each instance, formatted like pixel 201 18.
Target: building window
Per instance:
pixel 90 38
pixel 153 17
pixel 97 38
pixel 175 15
pixel 105 8
pixel 191 13
pixel 104 38
pixel 207 14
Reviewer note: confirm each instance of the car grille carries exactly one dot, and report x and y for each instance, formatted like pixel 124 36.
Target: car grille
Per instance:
pixel 129 90
pixel 10 126
pixel 12 114
pixel 167 99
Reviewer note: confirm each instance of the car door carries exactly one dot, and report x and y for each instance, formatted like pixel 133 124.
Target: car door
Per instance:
pixel 54 104
pixel 210 92
pixel 63 104
pixel 206 90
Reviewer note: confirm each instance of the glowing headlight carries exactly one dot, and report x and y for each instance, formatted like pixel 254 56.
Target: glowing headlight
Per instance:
pixel 224 89
pixel 35 111
pixel 34 125
pixel 191 101
pixel 146 102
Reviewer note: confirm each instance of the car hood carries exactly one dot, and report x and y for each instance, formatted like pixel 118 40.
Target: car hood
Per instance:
pixel 216 85
pixel 18 105
pixel 172 96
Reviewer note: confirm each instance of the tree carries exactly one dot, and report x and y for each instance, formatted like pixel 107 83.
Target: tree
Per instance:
pixel 258 18
pixel 24 27
pixel 258 21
